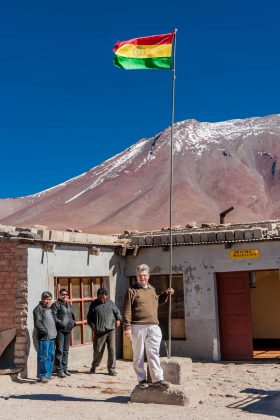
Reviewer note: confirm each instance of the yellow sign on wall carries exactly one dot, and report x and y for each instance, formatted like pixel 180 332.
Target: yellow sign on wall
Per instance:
pixel 236 254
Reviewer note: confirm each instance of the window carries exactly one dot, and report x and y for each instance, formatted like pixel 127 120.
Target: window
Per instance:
pixel 161 283
pixel 82 290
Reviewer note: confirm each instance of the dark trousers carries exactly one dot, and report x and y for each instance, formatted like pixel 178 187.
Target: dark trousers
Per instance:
pixel 100 341
pixel 62 350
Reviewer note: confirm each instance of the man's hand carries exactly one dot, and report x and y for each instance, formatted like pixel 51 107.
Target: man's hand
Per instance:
pixel 127 334
pixel 118 323
pixel 169 291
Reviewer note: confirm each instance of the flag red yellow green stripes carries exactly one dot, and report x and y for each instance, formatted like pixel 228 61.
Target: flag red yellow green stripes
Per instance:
pixel 149 52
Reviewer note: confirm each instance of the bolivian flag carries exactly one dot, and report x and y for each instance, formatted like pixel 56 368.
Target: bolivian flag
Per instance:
pixel 148 52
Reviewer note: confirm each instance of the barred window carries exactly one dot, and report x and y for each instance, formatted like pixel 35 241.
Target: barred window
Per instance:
pixel 82 291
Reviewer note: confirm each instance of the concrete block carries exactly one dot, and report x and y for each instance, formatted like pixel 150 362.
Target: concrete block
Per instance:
pixel 40 233
pixel 65 236
pixel 141 240
pixel 179 238
pixel 157 240
pixel 81 237
pixel 176 370
pixel 187 395
pixel 257 233
pixel 57 235
pixel 165 239
pixel 72 236
pixel 188 237
pixel 230 235
pixel 149 240
pixel 196 238
pixel 212 237
pixel 135 240
pixel 46 235
pixel 239 234
pixel 248 234
pixel 221 236
pixel 204 236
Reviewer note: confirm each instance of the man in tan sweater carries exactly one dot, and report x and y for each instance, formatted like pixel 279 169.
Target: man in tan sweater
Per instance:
pixel 140 320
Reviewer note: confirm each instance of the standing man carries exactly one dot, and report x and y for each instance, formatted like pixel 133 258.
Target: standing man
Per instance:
pixel 103 316
pixel 65 321
pixel 46 333
pixel 141 326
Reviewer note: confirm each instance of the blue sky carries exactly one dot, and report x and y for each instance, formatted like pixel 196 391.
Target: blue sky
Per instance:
pixel 64 107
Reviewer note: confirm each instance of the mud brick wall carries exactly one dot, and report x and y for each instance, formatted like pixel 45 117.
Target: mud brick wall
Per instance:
pixel 13 294
pixel 8 284
pixel 22 339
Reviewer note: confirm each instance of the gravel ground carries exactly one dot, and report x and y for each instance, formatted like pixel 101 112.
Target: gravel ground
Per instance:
pixel 235 390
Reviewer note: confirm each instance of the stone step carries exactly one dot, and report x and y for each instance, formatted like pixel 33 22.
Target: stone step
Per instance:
pixel 189 394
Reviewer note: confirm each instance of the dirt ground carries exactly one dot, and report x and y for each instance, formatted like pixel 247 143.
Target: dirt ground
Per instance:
pixel 235 390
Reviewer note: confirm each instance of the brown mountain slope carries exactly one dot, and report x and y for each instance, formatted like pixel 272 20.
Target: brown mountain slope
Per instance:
pixel 216 165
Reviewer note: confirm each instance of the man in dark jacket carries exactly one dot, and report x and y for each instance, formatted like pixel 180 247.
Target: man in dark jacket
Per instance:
pixel 65 321
pixel 103 316
pixel 46 333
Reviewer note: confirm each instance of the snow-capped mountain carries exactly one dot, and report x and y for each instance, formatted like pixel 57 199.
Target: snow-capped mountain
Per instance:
pixel 216 165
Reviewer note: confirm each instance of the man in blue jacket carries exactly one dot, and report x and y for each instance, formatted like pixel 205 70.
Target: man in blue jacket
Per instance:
pixel 103 316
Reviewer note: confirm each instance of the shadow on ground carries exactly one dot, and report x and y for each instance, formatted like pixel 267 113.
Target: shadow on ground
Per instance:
pixel 59 397
pixel 259 401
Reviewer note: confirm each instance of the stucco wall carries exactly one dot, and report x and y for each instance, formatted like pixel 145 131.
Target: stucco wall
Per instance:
pixel 68 261
pixel 198 264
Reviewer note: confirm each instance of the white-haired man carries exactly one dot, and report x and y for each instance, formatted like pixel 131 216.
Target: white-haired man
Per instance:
pixel 141 325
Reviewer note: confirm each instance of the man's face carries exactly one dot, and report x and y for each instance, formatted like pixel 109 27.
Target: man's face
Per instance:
pixel 64 296
pixel 102 298
pixel 143 278
pixel 47 301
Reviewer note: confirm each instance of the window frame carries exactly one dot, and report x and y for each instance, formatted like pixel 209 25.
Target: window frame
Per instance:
pixel 83 321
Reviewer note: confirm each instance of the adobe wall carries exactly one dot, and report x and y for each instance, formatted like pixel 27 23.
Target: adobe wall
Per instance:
pixel 13 295
pixel 199 265
pixel 8 280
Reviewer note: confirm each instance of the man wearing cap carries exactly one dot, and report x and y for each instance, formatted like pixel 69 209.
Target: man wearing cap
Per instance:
pixel 140 321
pixel 46 333
pixel 103 316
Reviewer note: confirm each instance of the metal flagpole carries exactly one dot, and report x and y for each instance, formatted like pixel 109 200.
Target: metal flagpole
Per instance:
pixel 171 192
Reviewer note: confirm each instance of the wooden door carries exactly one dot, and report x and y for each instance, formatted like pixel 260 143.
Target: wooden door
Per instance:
pixel 235 316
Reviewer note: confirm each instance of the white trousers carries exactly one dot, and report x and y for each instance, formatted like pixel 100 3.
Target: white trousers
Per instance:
pixel 148 337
